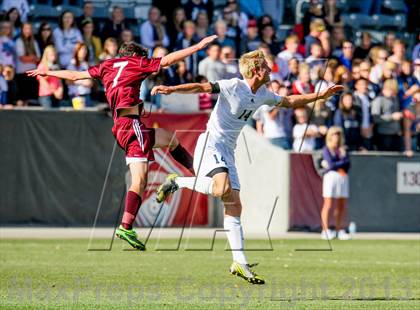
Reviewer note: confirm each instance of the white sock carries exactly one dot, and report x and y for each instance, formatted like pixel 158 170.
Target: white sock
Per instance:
pixel 233 227
pixel 202 185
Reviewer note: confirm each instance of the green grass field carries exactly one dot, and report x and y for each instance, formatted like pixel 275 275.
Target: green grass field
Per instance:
pixel 63 274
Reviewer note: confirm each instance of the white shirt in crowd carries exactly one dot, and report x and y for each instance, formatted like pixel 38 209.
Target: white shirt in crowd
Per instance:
pixel 273 128
pixel 7 51
pixel 235 105
pixel 22 67
pixel 298 133
pixel 283 61
pixel 213 70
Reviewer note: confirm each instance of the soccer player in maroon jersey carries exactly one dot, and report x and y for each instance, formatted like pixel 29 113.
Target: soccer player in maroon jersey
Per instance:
pixel 122 78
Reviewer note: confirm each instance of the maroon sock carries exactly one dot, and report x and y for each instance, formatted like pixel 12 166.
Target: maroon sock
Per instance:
pixel 182 156
pixel 132 206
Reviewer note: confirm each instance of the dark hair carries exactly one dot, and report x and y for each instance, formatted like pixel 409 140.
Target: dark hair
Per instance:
pixel 76 50
pixel 346 93
pixel 18 22
pixel 131 48
pixel 49 40
pixel 60 20
pixel 361 79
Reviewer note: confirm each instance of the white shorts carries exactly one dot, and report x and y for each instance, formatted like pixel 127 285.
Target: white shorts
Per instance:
pixel 335 185
pixel 209 155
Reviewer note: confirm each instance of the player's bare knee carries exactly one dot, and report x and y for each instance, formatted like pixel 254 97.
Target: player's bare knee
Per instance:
pixel 221 190
pixel 138 185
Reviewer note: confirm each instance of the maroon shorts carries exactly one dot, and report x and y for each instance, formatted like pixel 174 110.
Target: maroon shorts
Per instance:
pixel 134 138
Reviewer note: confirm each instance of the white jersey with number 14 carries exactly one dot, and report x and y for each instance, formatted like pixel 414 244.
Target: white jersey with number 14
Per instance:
pixel 235 105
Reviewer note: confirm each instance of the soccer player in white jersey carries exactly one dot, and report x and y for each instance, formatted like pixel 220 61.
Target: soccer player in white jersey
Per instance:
pixel 214 161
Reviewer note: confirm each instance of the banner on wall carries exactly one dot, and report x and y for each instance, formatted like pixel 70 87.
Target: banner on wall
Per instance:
pixel 184 207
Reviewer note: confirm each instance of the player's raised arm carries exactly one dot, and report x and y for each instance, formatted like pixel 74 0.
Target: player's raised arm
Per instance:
pixel 174 57
pixel 190 88
pixel 61 74
pixel 297 101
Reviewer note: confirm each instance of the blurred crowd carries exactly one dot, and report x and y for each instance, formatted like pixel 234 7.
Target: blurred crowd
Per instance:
pixel 380 109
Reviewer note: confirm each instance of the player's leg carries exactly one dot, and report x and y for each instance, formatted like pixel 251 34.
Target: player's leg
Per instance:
pixel 138 171
pixel 166 138
pixel 234 231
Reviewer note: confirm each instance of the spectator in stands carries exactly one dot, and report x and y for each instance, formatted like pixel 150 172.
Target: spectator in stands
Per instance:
pixel 204 99
pixel 182 75
pixel 274 8
pixel 13 17
pixel 315 12
pixel 263 20
pixel 335 183
pixel 44 36
pixel 188 38
pixel 202 25
pixel 389 39
pixel 387 117
pixel 194 7
pixel 412 126
pixel 152 31
pixel 378 56
pixel 362 100
pixel 407 84
pixel 268 36
pixel 389 71
pixel 398 54
pixel 7 46
pixel 315 58
pixel 211 67
pixel 175 25
pixel 251 41
pixel 12 89
pixel 304 134
pixel 88 10
pixel 303 84
pixel 291 51
pixel 338 36
pixel 233 31
pixel 66 36
pixel 271 62
pixel 346 55
pixel 220 29
pixel 365 68
pixel 316 28
pixel 362 51
pixel 21 5
pixel 349 117
pixel 274 123
pixel 227 57
pixel 28 56
pixel 342 76
pixel 332 14
pixel 126 36
pixel 416 50
pixel 114 26
pixel 92 42
pixel 110 49
pixel 80 90
pixel 292 76
pixel 238 17
pixel 50 88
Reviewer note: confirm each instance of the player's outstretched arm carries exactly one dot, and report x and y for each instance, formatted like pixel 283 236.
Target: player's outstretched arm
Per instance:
pixel 190 88
pixel 61 74
pixel 174 57
pixel 297 101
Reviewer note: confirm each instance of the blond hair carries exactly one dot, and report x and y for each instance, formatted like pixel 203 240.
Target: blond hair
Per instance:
pixel 332 131
pixel 392 85
pixel 250 62
pixel 49 48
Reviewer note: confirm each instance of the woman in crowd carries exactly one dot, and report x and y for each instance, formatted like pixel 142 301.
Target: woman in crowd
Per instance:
pixel 66 36
pixel 13 17
pixel 202 25
pixel 175 26
pixel 7 45
pixel 303 84
pixel 349 118
pixel 44 36
pixel 110 49
pixel 412 126
pixel 79 91
pixel 9 77
pixel 93 43
pixel 50 88
pixel 335 183
pixel 268 36
pixel 28 56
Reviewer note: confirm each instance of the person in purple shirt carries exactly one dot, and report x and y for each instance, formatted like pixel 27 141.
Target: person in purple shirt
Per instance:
pixel 335 183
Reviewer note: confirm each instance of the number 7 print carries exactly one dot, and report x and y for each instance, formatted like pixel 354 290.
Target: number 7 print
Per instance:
pixel 120 65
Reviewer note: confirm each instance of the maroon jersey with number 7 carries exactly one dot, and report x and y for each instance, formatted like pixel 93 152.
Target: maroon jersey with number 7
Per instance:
pixel 122 78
